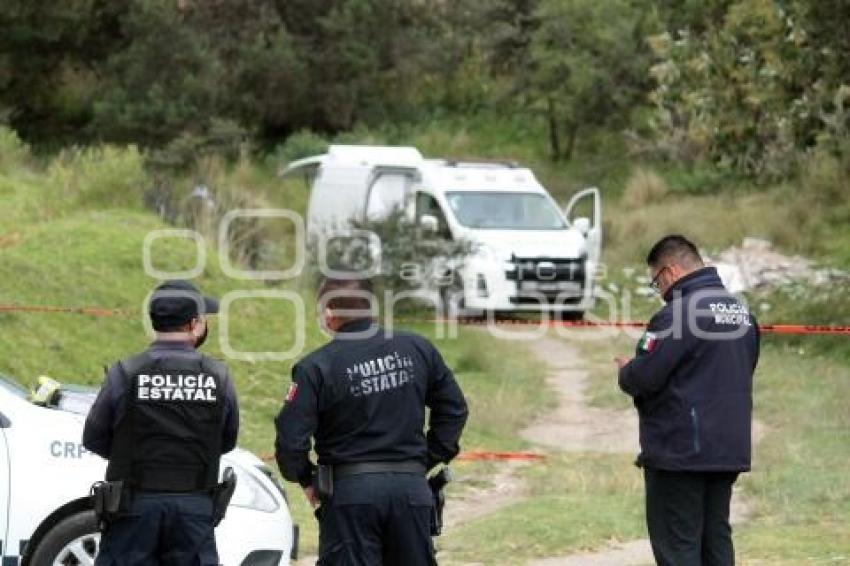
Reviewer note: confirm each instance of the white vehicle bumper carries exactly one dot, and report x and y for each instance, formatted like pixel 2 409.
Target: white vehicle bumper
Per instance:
pixel 251 538
pixel 497 287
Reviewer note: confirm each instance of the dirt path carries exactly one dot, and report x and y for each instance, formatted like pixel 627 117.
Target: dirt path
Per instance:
pixel 504 488
pixel 575 426
pixel 633 553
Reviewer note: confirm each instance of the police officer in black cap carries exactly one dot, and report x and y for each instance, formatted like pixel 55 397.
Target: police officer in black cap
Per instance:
pixel 362 399
pixel 163 419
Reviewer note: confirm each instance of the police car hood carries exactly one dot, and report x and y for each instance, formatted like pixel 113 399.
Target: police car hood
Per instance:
pixel 568 243
pixel 77 399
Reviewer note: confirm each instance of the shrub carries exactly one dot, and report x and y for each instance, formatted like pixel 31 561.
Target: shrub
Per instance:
pixel 298 146
pixel 220 139
pixel 410 257
pixel 103 176
pixel 644 186
pixel 13 152
pixel 825 178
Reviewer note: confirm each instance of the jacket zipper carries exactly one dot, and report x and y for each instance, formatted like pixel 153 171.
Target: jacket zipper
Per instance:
pixel 695 423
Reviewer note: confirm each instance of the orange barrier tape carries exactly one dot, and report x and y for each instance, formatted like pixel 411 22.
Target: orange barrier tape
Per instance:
pixel 92 311
pixel 766 328
pixel 803 329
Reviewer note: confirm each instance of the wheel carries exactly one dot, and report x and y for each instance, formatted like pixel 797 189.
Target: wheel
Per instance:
pixel 568 316
pixel 74 541
pixel 452 299
pixel 453 303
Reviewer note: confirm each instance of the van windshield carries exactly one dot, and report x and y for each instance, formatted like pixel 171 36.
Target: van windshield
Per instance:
pixel 505 211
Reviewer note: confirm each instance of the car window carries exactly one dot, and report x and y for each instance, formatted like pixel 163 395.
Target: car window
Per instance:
pixel 505 211
pixel 388 193
pixel 427 204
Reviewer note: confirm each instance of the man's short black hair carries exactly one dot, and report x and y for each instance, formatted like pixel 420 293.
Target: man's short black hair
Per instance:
pixel 674 249
pixel 346 294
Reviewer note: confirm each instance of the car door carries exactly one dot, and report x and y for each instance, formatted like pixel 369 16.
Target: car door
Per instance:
pixel 4 485
pixel 593 225
pixel 389 191
pixel 427 205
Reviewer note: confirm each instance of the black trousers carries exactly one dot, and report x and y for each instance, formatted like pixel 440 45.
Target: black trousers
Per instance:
pixel 687 514
pixel 377 519
pixel 161 530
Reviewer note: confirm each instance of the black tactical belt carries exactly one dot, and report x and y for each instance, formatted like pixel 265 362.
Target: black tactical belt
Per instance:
pixel 408 467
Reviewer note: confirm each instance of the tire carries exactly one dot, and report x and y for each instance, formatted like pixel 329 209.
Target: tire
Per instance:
pixel 452 300
pixel 568 316
pixel 74 541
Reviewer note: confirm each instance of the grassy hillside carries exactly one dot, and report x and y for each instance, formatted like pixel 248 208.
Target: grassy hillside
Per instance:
pixel 72 233
pixel 59 247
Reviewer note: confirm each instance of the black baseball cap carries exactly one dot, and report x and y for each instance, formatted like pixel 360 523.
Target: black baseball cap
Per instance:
pixel 175 303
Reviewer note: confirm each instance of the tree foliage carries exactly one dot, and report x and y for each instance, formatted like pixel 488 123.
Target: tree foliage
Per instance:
pixel 746 84
pixel 588 66
pixel 750 88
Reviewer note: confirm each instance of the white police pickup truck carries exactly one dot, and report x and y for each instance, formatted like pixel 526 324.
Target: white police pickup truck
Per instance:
pixel 45 476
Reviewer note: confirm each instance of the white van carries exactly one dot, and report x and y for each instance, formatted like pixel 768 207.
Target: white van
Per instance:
pixel 45 475
pixel 529 254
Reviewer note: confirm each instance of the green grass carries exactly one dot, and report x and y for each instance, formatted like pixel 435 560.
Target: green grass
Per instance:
pixel 77 257
pixel 505 391
pixel 800 481
pixel 799 485
pixel 575 502
pixel 72 235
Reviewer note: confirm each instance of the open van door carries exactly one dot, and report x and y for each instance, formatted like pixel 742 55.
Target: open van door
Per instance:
pixel 590 227
pixel 389 190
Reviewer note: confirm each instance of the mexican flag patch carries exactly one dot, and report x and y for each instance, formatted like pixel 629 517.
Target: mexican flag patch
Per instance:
pixel 648 341
pixel 293 391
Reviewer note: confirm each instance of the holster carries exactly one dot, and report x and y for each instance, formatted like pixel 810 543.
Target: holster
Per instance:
pixel 222 494
pixel 323 482
pixel 108 499
pixel 437 483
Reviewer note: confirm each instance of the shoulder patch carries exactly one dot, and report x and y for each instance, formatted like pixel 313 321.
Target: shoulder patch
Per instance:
pixel 293 391
pixel 648 341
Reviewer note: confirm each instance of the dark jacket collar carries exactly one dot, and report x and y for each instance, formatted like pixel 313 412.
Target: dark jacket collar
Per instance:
pixel 358 325
pixel 171 345
pixel 704 278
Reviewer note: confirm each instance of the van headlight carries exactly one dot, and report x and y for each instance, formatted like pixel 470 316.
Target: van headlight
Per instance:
pixel 252 493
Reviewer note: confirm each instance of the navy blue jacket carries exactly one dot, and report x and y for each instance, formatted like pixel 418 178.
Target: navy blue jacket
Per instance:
pixel 692 379
pixel 110 404
pixel 362 398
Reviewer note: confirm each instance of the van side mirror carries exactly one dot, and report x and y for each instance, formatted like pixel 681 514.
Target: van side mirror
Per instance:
pixel 429 223
pixel 582 224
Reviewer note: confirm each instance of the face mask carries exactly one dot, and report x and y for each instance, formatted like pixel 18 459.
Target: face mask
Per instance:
pixel 199 341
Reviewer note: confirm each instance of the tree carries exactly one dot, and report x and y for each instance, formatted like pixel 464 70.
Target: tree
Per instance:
pixel 162 82
pixel 588 65
pixel 49 55
pixel 364 58
pixel 752 90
